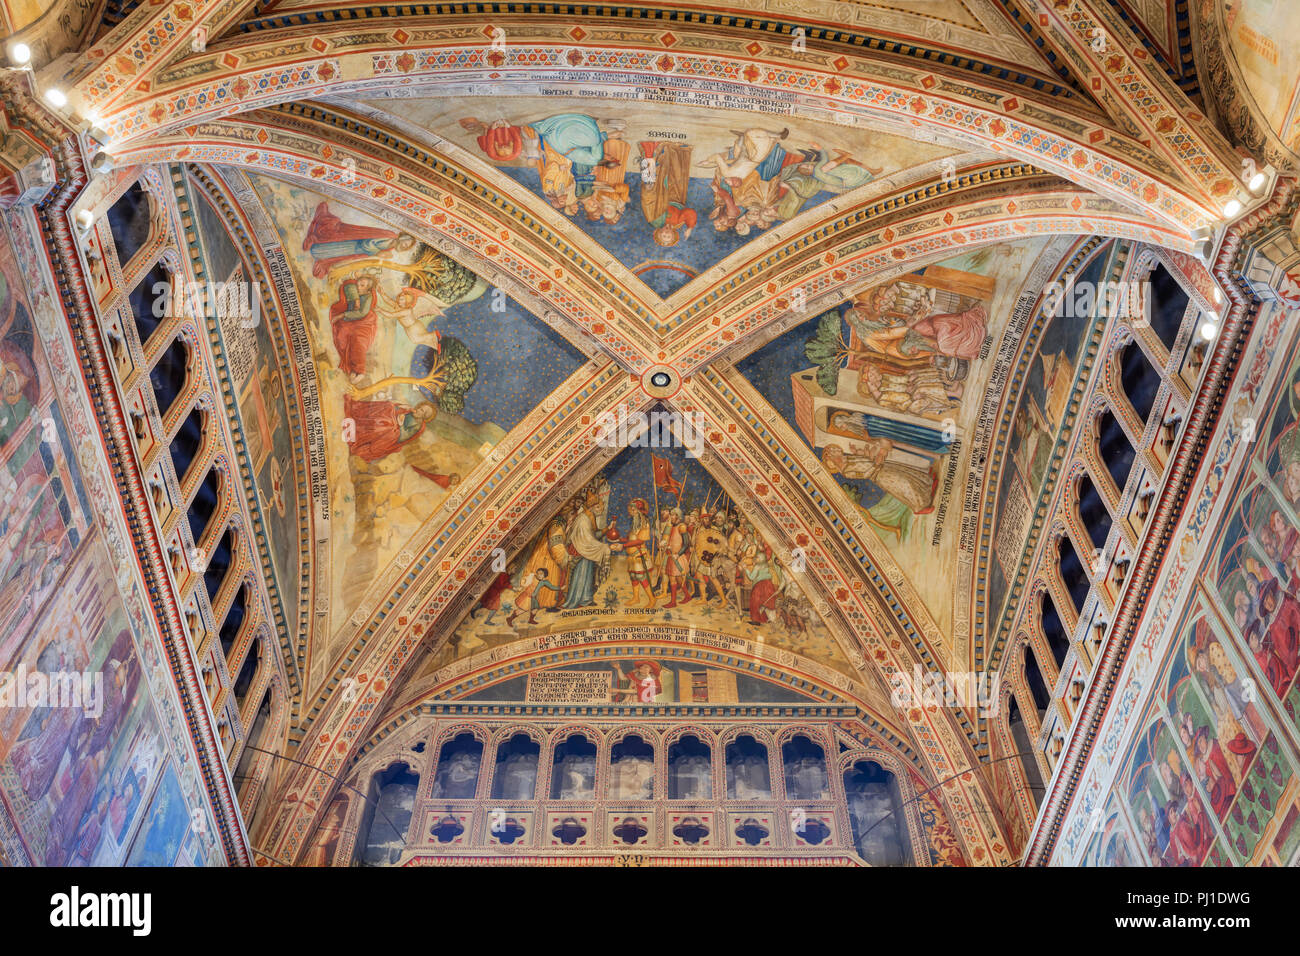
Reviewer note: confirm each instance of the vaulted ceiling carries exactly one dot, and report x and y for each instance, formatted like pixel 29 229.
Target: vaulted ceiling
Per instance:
pixel 745 197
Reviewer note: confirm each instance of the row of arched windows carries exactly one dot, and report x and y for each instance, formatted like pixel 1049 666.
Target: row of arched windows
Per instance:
pixel 519 769
pixel 1136 407
pixel 210 569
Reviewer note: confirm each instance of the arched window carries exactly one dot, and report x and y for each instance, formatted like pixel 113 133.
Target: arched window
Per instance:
pixel 256 739
pixel 1168 305
pixel 456 777
pixel 805 769
pixel 573 773
pixel 248 671
pixel 1141 382
pixel 388 815
pixel 128 220
pixel 748 774
pixel 169 375
pixel 516 770
pixel 219 564
pixel 1073 573
pixel 1034 678
pixel 1025 748
pixel 1116 450
pixel 690 769
pixel 145 302
pixel 1093 512
pixel 631 769
pixel 876 815
pixel 204 506
pixel 230 625
pixel 186 444
pixel 1054 630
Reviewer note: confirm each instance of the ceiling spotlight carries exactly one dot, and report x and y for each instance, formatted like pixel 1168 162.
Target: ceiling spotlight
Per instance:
pixel 20 54
pixel 1257 181
pixel 85 219
pixel 56 98
pixel 1218 296
pixel 1232 208
pixel 1208 331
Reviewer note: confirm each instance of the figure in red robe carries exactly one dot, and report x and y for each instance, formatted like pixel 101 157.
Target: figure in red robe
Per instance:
pixel 1262 649
pixel 381 428
pixel 491 598
pixel 1213 768
pixel 1192 832
pixel 331 241
pixel 1284 632
pixel 354 323
pixel 763 596
pixel 958 334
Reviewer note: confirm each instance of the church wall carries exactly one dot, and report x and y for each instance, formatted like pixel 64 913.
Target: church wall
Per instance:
pixel 1196 764
pixel 105 777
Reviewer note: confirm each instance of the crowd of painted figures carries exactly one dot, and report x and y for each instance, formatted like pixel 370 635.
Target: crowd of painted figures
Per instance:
pixel 584 166
pixel 670 557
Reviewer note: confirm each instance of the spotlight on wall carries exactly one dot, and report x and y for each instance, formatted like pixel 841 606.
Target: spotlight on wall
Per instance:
pixel 20 54
pixel 1262 180
pixel 85 219
pixel 56 98
pixel 94 130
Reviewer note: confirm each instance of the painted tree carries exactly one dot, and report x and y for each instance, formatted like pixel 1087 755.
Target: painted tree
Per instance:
pixel 828 350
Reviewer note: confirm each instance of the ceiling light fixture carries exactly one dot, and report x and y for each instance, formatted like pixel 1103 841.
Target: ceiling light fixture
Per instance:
pixel 56 98
pixel 1232 208
pixel 1208 331
pixel 20 54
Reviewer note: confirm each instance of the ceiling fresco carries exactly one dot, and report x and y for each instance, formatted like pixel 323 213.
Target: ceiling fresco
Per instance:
pixel 1255 29
pixel 422 368
pixel 667 191
pixel 887 387
pixel 651 541
pixel 820 232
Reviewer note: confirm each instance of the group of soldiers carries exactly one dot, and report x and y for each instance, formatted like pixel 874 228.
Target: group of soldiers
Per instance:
pixel 693 554
pixel 707 555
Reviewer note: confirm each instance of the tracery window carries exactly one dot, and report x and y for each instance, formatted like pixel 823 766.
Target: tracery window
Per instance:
pixel 458 767
pixel 574 776
pixel 631 769
pixel 748 774
pixel 129 222
pixel 874 804
pixel 805 769
pixel 690 769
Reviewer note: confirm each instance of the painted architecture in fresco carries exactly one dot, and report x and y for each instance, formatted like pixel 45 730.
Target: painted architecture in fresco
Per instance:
pixel 887 388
